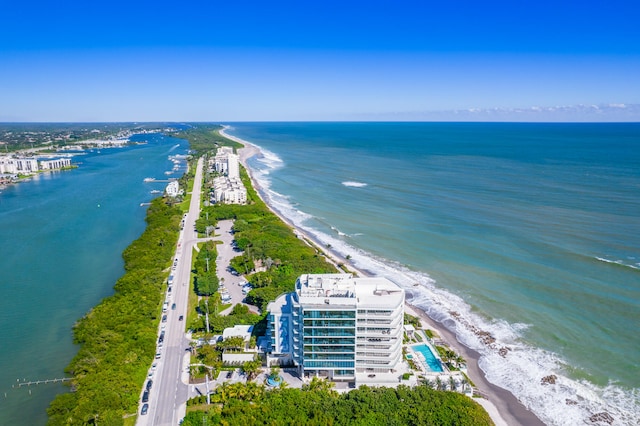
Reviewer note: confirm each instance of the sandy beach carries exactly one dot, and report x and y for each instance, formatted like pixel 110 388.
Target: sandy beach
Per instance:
pixel 502 406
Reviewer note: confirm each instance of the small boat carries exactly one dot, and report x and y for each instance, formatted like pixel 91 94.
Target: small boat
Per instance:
pixel 149 179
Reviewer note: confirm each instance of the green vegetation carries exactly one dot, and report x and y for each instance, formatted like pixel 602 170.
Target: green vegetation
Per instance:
pixel 267 242
pixel 413 320
pixel 318 404
pixel 204 138
pixel 217 323
pixel 450 357
pixel 206 278
pixel 118 336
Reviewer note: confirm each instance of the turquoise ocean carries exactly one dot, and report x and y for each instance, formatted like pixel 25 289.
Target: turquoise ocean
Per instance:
pixel 530 232
pixel 61 239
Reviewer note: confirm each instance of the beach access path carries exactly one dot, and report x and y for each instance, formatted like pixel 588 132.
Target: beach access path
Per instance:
pixel 502 405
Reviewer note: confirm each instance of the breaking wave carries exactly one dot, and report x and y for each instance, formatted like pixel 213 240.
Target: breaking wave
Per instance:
pixel 354 184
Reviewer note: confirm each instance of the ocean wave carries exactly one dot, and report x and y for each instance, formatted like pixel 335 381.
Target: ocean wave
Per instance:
pixel 617 262
pixel 354 184
pixel 271 160
pixel 337 231
pixel 505 358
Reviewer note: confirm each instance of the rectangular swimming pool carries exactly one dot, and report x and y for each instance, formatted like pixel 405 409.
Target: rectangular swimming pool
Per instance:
pixel 434 363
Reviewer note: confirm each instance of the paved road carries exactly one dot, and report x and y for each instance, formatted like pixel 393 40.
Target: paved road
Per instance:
pixel 168 396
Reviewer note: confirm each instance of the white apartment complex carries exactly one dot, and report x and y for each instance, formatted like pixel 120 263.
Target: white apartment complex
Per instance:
pixel 27 165
pixel 53 164
pixel 337 326
pixel 228 188
pixel 173 189
pixel 226 162
pixel 229 191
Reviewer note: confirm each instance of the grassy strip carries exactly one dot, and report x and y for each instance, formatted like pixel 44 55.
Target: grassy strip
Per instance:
pixel 193 297
pixel 118 336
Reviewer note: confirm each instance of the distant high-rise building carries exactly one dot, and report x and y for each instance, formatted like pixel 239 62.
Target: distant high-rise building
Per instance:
pixel 233 167
pixel 229 187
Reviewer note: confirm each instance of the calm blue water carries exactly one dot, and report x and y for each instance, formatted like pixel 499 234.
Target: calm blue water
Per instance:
pixel 433 362
pixel 61 239
pixel 528 231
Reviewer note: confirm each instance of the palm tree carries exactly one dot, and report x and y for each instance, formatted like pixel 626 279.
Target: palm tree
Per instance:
pixel 275 372
pixel 452 384
pixel 464 382
pixel 252 369
pixel 428 383
pixel 459 360
pixel 318 384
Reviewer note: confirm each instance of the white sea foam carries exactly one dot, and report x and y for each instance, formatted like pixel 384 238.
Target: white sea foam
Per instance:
pixel 270 159
pixel 618 262
pixel 337 231
pixel 354 184
pixel 520 370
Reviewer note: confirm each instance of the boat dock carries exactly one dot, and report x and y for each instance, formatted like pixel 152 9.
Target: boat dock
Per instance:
pixel 38 382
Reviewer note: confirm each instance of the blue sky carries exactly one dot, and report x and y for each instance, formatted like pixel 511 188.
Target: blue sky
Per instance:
pixel 329 60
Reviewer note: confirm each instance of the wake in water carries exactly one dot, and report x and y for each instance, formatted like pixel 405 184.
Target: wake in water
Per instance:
pixel 506 359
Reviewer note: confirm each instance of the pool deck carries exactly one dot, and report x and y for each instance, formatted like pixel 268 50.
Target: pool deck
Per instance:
pixel 419 359
pixel 392 379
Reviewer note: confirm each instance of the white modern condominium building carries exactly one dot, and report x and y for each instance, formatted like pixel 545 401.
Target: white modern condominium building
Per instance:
pixel 226 162
pixel 337 326
pixel 228 188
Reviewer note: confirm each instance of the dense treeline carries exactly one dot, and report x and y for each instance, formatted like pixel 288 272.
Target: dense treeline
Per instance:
pixel 317 404
pixel 118 336
pixel 239 314
pixel 204 268
pixel 268 242
pixel 204 138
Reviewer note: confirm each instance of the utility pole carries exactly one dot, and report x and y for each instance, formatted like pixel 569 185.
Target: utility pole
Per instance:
pixel 208 396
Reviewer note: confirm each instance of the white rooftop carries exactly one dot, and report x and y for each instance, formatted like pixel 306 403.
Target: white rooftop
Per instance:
pixel 344 289
pixel 243 331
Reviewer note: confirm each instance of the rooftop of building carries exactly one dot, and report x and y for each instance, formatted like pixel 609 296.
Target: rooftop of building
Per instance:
pixel 344 289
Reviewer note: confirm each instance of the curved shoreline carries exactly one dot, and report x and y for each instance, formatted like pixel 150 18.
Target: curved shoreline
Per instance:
pixel 503 407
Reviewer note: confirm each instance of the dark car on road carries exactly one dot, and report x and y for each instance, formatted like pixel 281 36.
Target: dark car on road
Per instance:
pixel 180 318
pixel 149 384
pixel 145 396
pixel 145 409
